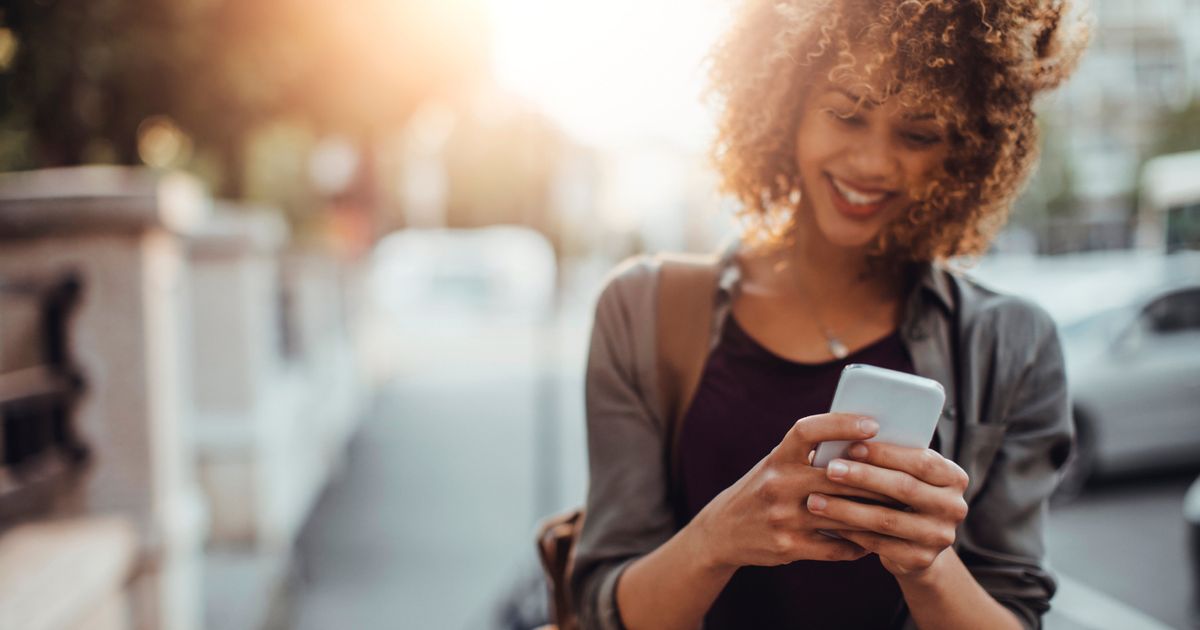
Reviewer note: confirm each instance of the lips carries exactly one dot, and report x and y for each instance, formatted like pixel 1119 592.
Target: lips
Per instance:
pixel 856 202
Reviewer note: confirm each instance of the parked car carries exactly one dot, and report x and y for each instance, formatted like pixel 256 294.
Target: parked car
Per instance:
pixel 1169 212
pixel 1191 515
pixel 1135 383
pixel 1130 327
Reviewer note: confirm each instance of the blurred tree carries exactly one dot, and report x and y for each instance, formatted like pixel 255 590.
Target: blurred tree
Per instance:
pixel 87 73
pixel 1050 193
pixel 1179 131
pixel 500 162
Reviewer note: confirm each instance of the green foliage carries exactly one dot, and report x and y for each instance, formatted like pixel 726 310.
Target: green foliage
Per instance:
pixel 87 73
pixel 1179 131
pixel 1051 190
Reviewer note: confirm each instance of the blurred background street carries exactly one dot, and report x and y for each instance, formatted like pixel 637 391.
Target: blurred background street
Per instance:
pixel 295 299
pixel 432 520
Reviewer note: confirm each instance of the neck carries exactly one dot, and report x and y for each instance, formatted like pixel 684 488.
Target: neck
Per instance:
pixel 838 276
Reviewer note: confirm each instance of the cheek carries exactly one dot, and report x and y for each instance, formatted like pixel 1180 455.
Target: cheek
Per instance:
pixel 815 144
pixel 922 169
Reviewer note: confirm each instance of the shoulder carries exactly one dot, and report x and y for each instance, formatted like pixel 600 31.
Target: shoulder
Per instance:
pixel 1014 359
pixel 636 274
pixel 1008 317
pixel 623 340
pixel 627 291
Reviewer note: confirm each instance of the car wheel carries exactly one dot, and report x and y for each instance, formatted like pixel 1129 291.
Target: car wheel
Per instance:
pixel 1081 465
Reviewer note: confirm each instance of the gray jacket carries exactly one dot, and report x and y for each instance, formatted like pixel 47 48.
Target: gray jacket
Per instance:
pixel 1015 437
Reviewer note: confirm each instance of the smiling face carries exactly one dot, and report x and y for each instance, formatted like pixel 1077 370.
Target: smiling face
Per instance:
pixel 860 163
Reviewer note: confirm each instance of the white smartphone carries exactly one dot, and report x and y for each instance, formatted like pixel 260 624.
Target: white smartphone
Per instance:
pixel 906 406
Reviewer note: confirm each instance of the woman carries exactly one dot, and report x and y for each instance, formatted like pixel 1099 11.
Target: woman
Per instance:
pixel 866 141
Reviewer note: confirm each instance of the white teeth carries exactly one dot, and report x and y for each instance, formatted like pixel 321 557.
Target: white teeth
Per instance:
pixel 855 197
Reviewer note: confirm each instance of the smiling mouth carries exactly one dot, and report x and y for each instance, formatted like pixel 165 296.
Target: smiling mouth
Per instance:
pixel 857 202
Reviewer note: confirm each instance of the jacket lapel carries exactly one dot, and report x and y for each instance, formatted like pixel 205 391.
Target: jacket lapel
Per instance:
pixel 926 331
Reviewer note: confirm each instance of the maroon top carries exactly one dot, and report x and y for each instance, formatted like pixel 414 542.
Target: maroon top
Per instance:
pixel 747 399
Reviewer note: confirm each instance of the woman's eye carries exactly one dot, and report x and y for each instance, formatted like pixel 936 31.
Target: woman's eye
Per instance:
pixel 922 139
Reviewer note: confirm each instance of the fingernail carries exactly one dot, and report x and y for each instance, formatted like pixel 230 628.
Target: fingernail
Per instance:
pixel 816 502
pixel 858 451
pixel 868 426
pixel 838 469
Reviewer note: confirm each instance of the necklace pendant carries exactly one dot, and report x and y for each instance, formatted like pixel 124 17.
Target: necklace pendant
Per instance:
pixel 837 348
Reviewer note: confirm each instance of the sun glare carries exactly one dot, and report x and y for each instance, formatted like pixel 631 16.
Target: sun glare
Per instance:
pixel 609 72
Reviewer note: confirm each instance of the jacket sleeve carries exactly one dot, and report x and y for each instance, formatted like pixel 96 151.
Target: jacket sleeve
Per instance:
pixel 1002 539
pixel 628 514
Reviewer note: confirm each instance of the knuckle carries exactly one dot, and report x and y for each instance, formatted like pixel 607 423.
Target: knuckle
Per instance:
pixel 908 486
pixel 886 524
pixel 802 430
pixel 779 515
pixel 783 543
pixel 929 462
pixel 961 478
pixel 943 538
pixel 769 489
pixel 960 509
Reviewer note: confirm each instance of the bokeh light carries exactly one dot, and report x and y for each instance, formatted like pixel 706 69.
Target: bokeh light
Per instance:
pixel 161 143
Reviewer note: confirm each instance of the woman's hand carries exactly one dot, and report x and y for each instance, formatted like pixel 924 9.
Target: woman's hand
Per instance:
pixel 909 541
pixel 761 520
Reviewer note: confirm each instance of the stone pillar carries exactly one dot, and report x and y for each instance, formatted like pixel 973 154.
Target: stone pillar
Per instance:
pixel 247 400
pixel 322 313
pixel 119 228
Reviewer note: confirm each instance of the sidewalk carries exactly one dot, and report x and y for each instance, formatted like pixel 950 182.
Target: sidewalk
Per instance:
pixel 434 514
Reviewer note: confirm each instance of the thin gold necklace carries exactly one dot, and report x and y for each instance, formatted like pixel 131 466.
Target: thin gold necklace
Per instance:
pixel 836 347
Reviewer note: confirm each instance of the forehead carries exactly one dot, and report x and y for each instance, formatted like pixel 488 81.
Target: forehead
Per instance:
pixel 909 104
pixel 870 79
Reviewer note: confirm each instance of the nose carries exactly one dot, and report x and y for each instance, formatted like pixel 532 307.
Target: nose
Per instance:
pixel 872 161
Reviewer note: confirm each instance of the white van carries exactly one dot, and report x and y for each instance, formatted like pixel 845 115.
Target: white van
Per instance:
pixel 1169 208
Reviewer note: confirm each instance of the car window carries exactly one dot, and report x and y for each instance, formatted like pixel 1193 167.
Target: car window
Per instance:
pixel 1105 324
pixel 1175 312
pixel 1183 227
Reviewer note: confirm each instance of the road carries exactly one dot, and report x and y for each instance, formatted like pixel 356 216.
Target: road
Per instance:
pixel 1127 539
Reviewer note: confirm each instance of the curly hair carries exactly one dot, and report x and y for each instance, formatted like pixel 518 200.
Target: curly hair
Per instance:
pixel 976 63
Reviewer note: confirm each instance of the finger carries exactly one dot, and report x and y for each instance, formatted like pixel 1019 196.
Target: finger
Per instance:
pixel 898 485
pixel 813 522
pixel 809 431
pixel 909 526
pixel 904 553
pixel 841 490
pixel 800 480
pixel 833 549
pixel 925 464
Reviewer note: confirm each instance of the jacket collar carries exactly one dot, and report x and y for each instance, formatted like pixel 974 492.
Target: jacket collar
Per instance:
pixel 935 280
pixel 931 278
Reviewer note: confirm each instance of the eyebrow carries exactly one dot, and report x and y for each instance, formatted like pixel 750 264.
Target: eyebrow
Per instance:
pixel 857 98
pixel 870 104
pixel 920 117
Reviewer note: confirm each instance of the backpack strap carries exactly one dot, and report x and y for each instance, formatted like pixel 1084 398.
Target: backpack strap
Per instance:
pixel 686 286
pixel 686 290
